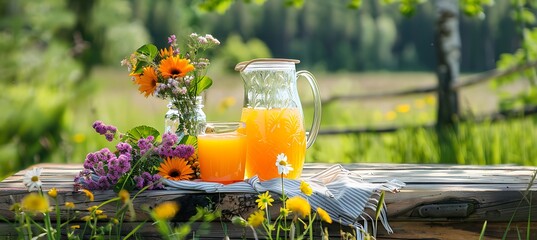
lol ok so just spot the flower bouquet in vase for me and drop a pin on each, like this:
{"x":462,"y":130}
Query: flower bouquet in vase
{"x":178,"y":75}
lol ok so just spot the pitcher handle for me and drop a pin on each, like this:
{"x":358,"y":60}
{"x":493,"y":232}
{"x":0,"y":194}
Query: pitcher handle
{"x":316,"y":107}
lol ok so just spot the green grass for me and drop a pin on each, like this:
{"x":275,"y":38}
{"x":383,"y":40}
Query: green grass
{"x":115,"y":100}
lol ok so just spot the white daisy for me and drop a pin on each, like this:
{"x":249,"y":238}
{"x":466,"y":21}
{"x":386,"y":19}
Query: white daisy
{"x":283,"y":166}
{"x":32,"y":179}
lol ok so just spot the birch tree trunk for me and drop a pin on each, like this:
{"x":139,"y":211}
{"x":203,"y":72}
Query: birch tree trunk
{"x":448,"y":50}
{"x":448,"y":47}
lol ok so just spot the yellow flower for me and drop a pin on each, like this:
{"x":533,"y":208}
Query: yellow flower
{"x":124,"y":196}
{"x":175,"y":169}
{"x":147,"y":82}
{"x":305,"y":188}
{"x":419,"y":103}
{"x":114,"y":221}
{"x":89,"y":194}
{"x":69,"y":205}
{"x":299,"y":205}
{"x":99,"y":211}
{"x":79,"y":138}
{"x":403,"y":108}
{"x":256,"y":218}
{"x":324,"y":215}
{"x":430,"y":99}
{"x":174,"y":67}
{"x":165,"y":211}
{"x":284,"y":212}
{"x":75,"y":227}
{"x":391,"y":115}
{"x":166,"y":52}
{"x":86,"y":218}
{"x":263,"y":200}
{"x":53,"y":193}
{"x":34,"y":203}
{"x":101,"y":216}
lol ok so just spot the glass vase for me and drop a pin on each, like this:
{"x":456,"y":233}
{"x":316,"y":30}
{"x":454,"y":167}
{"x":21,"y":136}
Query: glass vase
{"x":185,"y":117}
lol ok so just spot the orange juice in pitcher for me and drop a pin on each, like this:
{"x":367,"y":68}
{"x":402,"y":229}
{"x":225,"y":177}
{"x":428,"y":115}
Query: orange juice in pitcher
{"x":273,"y":115}
{"x":270,"y":132}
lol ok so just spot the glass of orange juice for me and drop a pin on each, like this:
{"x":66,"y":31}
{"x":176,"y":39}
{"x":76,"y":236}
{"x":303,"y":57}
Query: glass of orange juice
{"x":222,"y":152}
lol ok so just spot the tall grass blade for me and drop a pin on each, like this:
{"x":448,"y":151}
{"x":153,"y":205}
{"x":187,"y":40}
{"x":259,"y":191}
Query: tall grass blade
{"x":482,"y":235}
{"x":530,"y":184}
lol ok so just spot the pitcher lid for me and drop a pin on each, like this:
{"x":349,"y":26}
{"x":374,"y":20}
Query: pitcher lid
{"x":242,"y":65}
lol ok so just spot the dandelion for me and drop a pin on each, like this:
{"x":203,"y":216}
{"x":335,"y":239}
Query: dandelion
{"x":165,"y":211}
{"x":305,"y":188}
{"x":256,"y":218}
{"x":298,"y":205}
{"x":35,"y":203}
{"x":402,"y":108}
{"x":53,"y":193}
{"x":430,"y":99}
{"x":390,"y":116}
{"x":419,"y":103}
{"x":283,"y":166}
{"x":75,"y":227}
{"x":89,"y":194}
{"x":32,"y":179}
{"x":69,"y":205}
{"x":175,"y":169}
{"x":263,"y":200}
{"x":86,"y":218}
{"x":174,"y":67}
{"x":324,"y":215}
{"x":147,"y":81}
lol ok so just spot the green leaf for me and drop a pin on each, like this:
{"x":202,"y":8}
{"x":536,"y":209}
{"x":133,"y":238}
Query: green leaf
{"x":189,"y":140}
{"x":139,"y":68}
{"x":149,"y":50}
{"x":200,"y":85}
{"x":125,"y":182}
{"x":482,"y":235}
{"x":220,"y":6}
{"x":132,"y":136}
{"x":354,"y":4}
{"x":379,"y":206}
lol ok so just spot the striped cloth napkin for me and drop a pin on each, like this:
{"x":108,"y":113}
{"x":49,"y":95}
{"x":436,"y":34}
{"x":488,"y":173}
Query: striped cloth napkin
{"x":343,"y":194}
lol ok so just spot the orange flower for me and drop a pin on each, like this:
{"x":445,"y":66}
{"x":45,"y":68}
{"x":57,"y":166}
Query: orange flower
{"x":166,"y":52}
{"x":174,"y":66}
{"x":175,"y":169}
{"x":147,"y":81}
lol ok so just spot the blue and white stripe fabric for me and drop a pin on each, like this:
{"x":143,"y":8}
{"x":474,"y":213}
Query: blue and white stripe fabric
{"x":343,"y":194}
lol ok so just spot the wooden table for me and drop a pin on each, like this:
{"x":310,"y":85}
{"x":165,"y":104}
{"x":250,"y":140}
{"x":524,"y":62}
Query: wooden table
{"x":438,"y":202}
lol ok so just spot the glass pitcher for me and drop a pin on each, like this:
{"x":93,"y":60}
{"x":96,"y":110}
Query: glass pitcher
{"x":273,"y":115}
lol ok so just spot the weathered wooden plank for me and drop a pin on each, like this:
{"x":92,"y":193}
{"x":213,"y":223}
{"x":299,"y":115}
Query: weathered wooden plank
{"x":429,"y":207}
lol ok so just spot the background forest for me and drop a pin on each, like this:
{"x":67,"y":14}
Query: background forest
{"x":60,"y":64}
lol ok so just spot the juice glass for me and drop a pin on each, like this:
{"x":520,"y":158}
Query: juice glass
{"x":222,"y":152}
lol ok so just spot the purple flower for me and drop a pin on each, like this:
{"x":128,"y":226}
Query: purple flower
{"x":145,"y":144}
{"x":124,"y":148}
{"x":169,"y":139}
{"x":172,"y":39}
{"x":183,"y":151}
{"x":139,"y":182}
{"x":109,"y":136}
{"x":103,"y":183}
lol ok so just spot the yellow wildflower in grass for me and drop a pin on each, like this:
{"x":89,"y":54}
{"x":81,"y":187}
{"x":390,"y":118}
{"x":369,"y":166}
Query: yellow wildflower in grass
{"x":75,"y":227}
{"x":99,"y":211}
{"x":86,"y":218}
{"x":284,"y":212}
{"x":264,"y":200}
{"x":53,"y":193}
{"x":124,"y":196}
{"x":79,"y":138}
{"x":102,"y":216}
{"x":256,"y":218}
{"x":92,"y":208}
{"x":305,"y":188}
{"x":299,"y":205}
{"x":324,"y":215}
{"x":402,"y":108}
{"x":430,"y":99}
{"x":165,"y":211}
{"x":35,"y":203}
{"x":419,"y":103}
{"x":114,"y":221}
{"x":89,"y":194}
{"x":69,"y":205}
{"x":390,"y":116}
